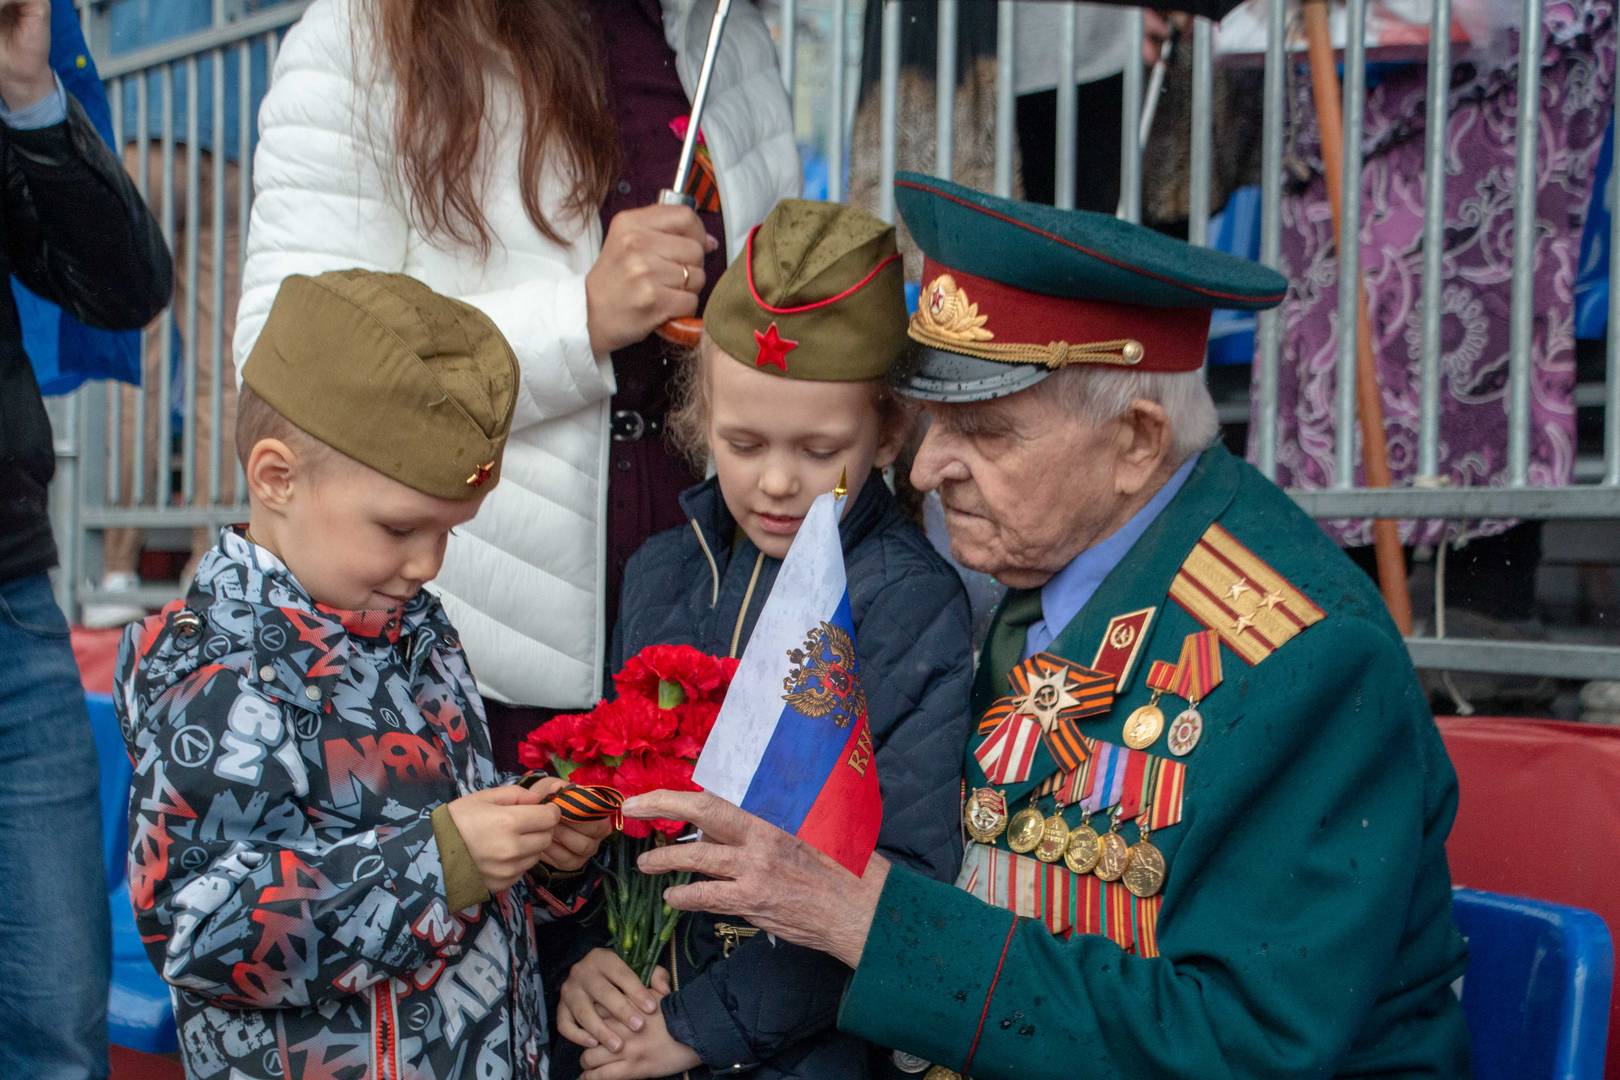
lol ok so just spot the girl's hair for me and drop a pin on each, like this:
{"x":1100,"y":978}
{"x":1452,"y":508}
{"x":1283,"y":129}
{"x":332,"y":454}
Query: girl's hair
{"x":687,"y":428}
{"x":439,"y":52}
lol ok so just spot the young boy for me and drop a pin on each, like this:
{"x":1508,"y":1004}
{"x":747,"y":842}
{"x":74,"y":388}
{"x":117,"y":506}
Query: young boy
{"x":786,"y":395}
{"x":323,"y":861}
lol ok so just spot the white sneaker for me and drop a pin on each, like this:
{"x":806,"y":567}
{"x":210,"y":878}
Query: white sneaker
{"x":107,"y":614}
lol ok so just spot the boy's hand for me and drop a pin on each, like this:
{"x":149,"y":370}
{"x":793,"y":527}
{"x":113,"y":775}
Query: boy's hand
{"x":505,"y":830}
{"x":602,"y":988}
{"x":650,"y":1052}
{"x":575,"y":843}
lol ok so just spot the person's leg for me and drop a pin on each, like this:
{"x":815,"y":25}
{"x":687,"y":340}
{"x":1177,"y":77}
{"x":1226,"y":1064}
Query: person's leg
{"x":121,"y":548}
{"x":1096,"y":150}
{"x":54,"y":947}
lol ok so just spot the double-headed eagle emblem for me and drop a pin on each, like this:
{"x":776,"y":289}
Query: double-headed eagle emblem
{"x":825,"y":679}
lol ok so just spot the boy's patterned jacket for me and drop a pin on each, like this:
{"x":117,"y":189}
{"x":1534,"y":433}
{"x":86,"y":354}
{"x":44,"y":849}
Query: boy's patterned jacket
{"x":283,"y":866}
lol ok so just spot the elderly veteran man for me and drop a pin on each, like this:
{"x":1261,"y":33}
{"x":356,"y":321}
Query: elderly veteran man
{"x":1206,"y":805}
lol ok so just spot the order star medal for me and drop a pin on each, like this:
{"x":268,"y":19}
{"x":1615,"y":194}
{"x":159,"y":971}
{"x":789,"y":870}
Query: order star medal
{"x":985,"y":815}
{"x":1197,"y":673}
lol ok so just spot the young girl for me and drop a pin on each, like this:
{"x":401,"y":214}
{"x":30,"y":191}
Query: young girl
{"x":785,"y":394}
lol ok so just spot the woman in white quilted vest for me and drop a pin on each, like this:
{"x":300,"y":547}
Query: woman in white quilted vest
{"x":510,"y":155}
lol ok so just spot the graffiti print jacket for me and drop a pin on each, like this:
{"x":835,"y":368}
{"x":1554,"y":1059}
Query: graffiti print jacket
{"x":283,"y":867}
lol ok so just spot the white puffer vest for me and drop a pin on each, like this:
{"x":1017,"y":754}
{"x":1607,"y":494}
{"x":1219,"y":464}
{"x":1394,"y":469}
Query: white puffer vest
{"x":523,"y":582}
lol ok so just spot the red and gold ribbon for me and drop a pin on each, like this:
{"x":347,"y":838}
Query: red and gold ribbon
{"x":1199,"y":669}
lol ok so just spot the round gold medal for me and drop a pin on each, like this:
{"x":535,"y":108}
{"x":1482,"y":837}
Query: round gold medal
{"x":1054,"y":838}
{"x":985,"y":815}
{"x":1111,"y":855}
{"x":1144,"y":869}
{"x":1026,"y":830}
{"x":940,"y":1072}
{"x":1143,"y":727}
{"x":1080,"y":854}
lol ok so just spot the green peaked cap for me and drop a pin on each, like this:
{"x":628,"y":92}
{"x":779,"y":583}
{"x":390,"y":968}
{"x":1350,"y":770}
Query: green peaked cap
{"x":381,"y":368}
{"x":817,"y":293}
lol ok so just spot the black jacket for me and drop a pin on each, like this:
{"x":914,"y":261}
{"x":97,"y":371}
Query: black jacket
{"x":74,"y":230}
{"x":772,"y":1007}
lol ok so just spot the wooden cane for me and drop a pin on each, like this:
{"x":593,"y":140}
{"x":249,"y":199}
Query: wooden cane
{"x":1369,"y":402}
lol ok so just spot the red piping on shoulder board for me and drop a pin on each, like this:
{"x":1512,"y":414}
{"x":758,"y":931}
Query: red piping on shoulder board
{"x":1099,"y":256}
{"x":984,"y":1013}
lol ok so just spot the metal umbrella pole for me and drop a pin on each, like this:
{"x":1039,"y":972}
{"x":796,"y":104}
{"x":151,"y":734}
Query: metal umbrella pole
{"x":687,"y":331}
{"x":1369,"y":400}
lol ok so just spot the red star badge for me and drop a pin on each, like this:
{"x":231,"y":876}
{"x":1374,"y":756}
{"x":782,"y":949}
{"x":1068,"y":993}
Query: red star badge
{"x":481,"y":475}
{"x":773,"y":348}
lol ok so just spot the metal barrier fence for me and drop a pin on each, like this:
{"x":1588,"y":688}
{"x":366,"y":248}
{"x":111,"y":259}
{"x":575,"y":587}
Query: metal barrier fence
{"x":118,"y":486}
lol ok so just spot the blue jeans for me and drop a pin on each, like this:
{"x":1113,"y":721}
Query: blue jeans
{"x":54,"y":935}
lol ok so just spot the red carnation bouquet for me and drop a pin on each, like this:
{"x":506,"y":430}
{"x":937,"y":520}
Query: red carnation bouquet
{"x":646,"y":739}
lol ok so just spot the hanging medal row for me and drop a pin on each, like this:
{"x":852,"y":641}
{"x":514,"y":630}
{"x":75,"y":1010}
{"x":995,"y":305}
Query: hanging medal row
{"x":1064,"y":902}
{"x":1127,"y":784}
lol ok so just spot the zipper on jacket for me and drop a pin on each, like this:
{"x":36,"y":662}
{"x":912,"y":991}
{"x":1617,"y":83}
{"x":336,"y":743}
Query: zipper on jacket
{"x":384,"y":1032}
{"x":731,"y":935}
{"x":675,"y":977}
{"x":747,"y":601}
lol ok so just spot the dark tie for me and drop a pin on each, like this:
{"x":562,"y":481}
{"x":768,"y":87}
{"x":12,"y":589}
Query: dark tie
{"x":1004,"y":648}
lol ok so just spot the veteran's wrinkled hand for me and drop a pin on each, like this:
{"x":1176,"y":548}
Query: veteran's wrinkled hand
{"x":755,"y":870}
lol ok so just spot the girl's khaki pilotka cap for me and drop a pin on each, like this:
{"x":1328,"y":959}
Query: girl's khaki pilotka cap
{"x":380,"y":367}
{"x":817,"y":293}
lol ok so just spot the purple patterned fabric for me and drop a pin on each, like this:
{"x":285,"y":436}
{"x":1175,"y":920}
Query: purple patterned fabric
{"x":1578,"y":65}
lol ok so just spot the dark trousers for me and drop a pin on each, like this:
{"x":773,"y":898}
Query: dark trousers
{"x":1097,"y":150}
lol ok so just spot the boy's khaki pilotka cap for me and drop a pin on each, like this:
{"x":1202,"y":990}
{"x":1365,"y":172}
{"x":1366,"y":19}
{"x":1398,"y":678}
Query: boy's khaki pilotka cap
{"x":816,"y":294}
{"x":380,"y":367}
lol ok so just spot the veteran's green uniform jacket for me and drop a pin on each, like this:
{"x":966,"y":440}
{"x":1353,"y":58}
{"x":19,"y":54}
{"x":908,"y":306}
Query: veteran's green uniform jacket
{"x":1304,"y":927}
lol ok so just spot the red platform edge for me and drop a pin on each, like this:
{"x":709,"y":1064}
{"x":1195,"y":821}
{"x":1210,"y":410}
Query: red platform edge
{"x":1539,"y":816}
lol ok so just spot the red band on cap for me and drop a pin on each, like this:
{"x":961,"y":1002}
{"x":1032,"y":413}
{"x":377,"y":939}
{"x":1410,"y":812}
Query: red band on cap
{"x":748,"y":257}
{"x":1172,"y":339}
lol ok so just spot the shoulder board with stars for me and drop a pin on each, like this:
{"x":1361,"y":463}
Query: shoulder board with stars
{"x":1231,"y":590}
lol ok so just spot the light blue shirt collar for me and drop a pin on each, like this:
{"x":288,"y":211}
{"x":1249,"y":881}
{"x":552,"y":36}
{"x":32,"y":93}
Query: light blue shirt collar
{"x":1071,"y":588}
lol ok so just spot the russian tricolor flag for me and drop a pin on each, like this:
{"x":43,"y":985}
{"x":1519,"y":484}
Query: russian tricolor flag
{"x":791,"y":743}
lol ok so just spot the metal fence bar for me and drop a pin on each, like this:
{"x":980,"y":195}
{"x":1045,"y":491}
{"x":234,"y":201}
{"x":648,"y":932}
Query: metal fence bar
{"x":137,"y":483}
{"x":1434,"y":214}
{"x":889,"y":106}
{"x":1063,"y":174}
{"x":840,"y":118}
{"x":1586,"y":501}
{"x":217,"y":343}
{"x":1203,"y":132}
{"x":1355,"y":96}
{"x":189,"y":402}
{"x":1006,"y":88}
{"x":165,"y":414}
{"x":945,"y":91}
{"x":790,"y":40}
{"x":1515,"y":658}
{"x":264,"y":23}
{"x":1611,"y":404}
{"x":1268,"y":328}
{"x":1522,"y":324}
{"x":112,"y":486}
{"x":244,"y":203}
{"x":1130,"y":157}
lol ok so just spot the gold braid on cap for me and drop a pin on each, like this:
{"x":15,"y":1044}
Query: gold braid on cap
{"x":946,"y":319}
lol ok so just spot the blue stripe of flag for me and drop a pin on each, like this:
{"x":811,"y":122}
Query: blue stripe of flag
{"x":800,"y":756}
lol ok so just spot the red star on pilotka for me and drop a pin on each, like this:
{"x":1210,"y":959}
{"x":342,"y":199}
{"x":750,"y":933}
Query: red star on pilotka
{"x":773,"y":348}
